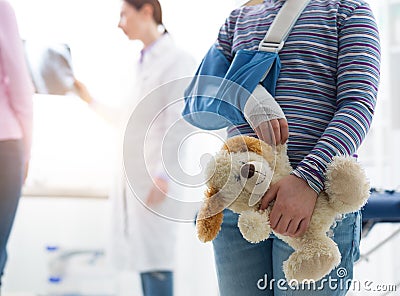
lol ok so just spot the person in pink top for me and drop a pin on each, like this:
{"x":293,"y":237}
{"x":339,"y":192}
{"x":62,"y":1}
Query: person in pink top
{"x":16,"y":92}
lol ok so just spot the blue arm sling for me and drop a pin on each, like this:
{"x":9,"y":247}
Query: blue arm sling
{"x":220,"y":89}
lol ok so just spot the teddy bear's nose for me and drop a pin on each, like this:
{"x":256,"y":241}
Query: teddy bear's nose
{"x":247,"y":170}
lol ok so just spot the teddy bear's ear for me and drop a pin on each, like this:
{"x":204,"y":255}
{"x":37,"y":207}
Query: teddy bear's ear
{"x":210,"y":216}
{"x":250,"y":144}
{"x":241,"y":144}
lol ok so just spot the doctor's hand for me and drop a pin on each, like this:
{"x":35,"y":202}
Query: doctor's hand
{"x":82,"y":91}
{"x":273,"y":132}
{"x":293,"y":207}
{"x":158,"y":192}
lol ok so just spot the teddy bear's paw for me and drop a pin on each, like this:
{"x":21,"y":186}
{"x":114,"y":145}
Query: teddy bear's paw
{"x":254,"y":225}
{"x":346,"y":184}
{"x":310,"y":265}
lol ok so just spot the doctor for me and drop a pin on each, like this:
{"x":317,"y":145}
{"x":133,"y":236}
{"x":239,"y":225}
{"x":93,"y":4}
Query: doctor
{"x":143,"y":241}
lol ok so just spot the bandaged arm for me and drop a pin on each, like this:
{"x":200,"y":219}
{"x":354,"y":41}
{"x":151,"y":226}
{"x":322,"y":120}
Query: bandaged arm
{"x":261,"y":107}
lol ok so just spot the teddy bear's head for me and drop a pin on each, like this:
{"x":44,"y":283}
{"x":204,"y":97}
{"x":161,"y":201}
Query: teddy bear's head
{"x":242,"y":171}
{"x":237,"y":178}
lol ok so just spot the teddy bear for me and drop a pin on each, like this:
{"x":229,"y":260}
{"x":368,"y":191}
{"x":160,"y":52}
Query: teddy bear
{"x":237,"y":178}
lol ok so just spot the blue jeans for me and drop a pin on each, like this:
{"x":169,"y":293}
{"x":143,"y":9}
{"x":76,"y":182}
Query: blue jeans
{"x":157,"y":283}
{"x":246,"y":269}
{"x":11,"y":178}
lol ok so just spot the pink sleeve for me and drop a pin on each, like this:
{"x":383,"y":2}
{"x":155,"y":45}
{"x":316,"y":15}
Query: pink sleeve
{"x":19,"y":84}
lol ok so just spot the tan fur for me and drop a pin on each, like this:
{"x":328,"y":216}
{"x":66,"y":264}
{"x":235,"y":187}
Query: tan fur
{"x":249,"y":144}
{"x":208,"y":224}
{"x":347,"y":190}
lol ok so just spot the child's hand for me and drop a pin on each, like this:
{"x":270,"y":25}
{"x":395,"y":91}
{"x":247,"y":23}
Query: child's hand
{"x":266,"y":117}
{"x":273,"y":132}
{"x":293,"y":207}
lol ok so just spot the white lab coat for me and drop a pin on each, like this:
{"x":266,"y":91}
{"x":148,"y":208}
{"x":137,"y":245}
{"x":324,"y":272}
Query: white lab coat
{"x":141,"y":240}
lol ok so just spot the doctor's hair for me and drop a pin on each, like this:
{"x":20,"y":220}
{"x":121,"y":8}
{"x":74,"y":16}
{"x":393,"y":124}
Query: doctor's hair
{"x":157,"y":12}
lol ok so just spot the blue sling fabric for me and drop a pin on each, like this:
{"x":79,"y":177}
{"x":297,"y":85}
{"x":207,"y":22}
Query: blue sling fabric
{"x":219,"y":91}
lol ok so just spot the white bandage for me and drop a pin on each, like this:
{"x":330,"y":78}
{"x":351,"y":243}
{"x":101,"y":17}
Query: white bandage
{"x":261,"y":107}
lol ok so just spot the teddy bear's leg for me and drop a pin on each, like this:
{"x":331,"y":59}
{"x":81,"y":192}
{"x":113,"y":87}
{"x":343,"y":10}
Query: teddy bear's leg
{"x":314,"y":260}
{"x":254,"y":225}
{"x":346,"y":184}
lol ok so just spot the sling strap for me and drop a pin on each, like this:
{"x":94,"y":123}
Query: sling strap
{"x":282,"y":25}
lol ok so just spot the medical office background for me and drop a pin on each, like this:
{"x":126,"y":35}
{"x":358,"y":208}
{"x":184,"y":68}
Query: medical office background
{"x":65,"y":198}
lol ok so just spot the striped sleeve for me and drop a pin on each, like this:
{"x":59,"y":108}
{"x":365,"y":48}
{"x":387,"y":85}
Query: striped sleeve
{"x":225,"y":36}
{"x":357,"y":84}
